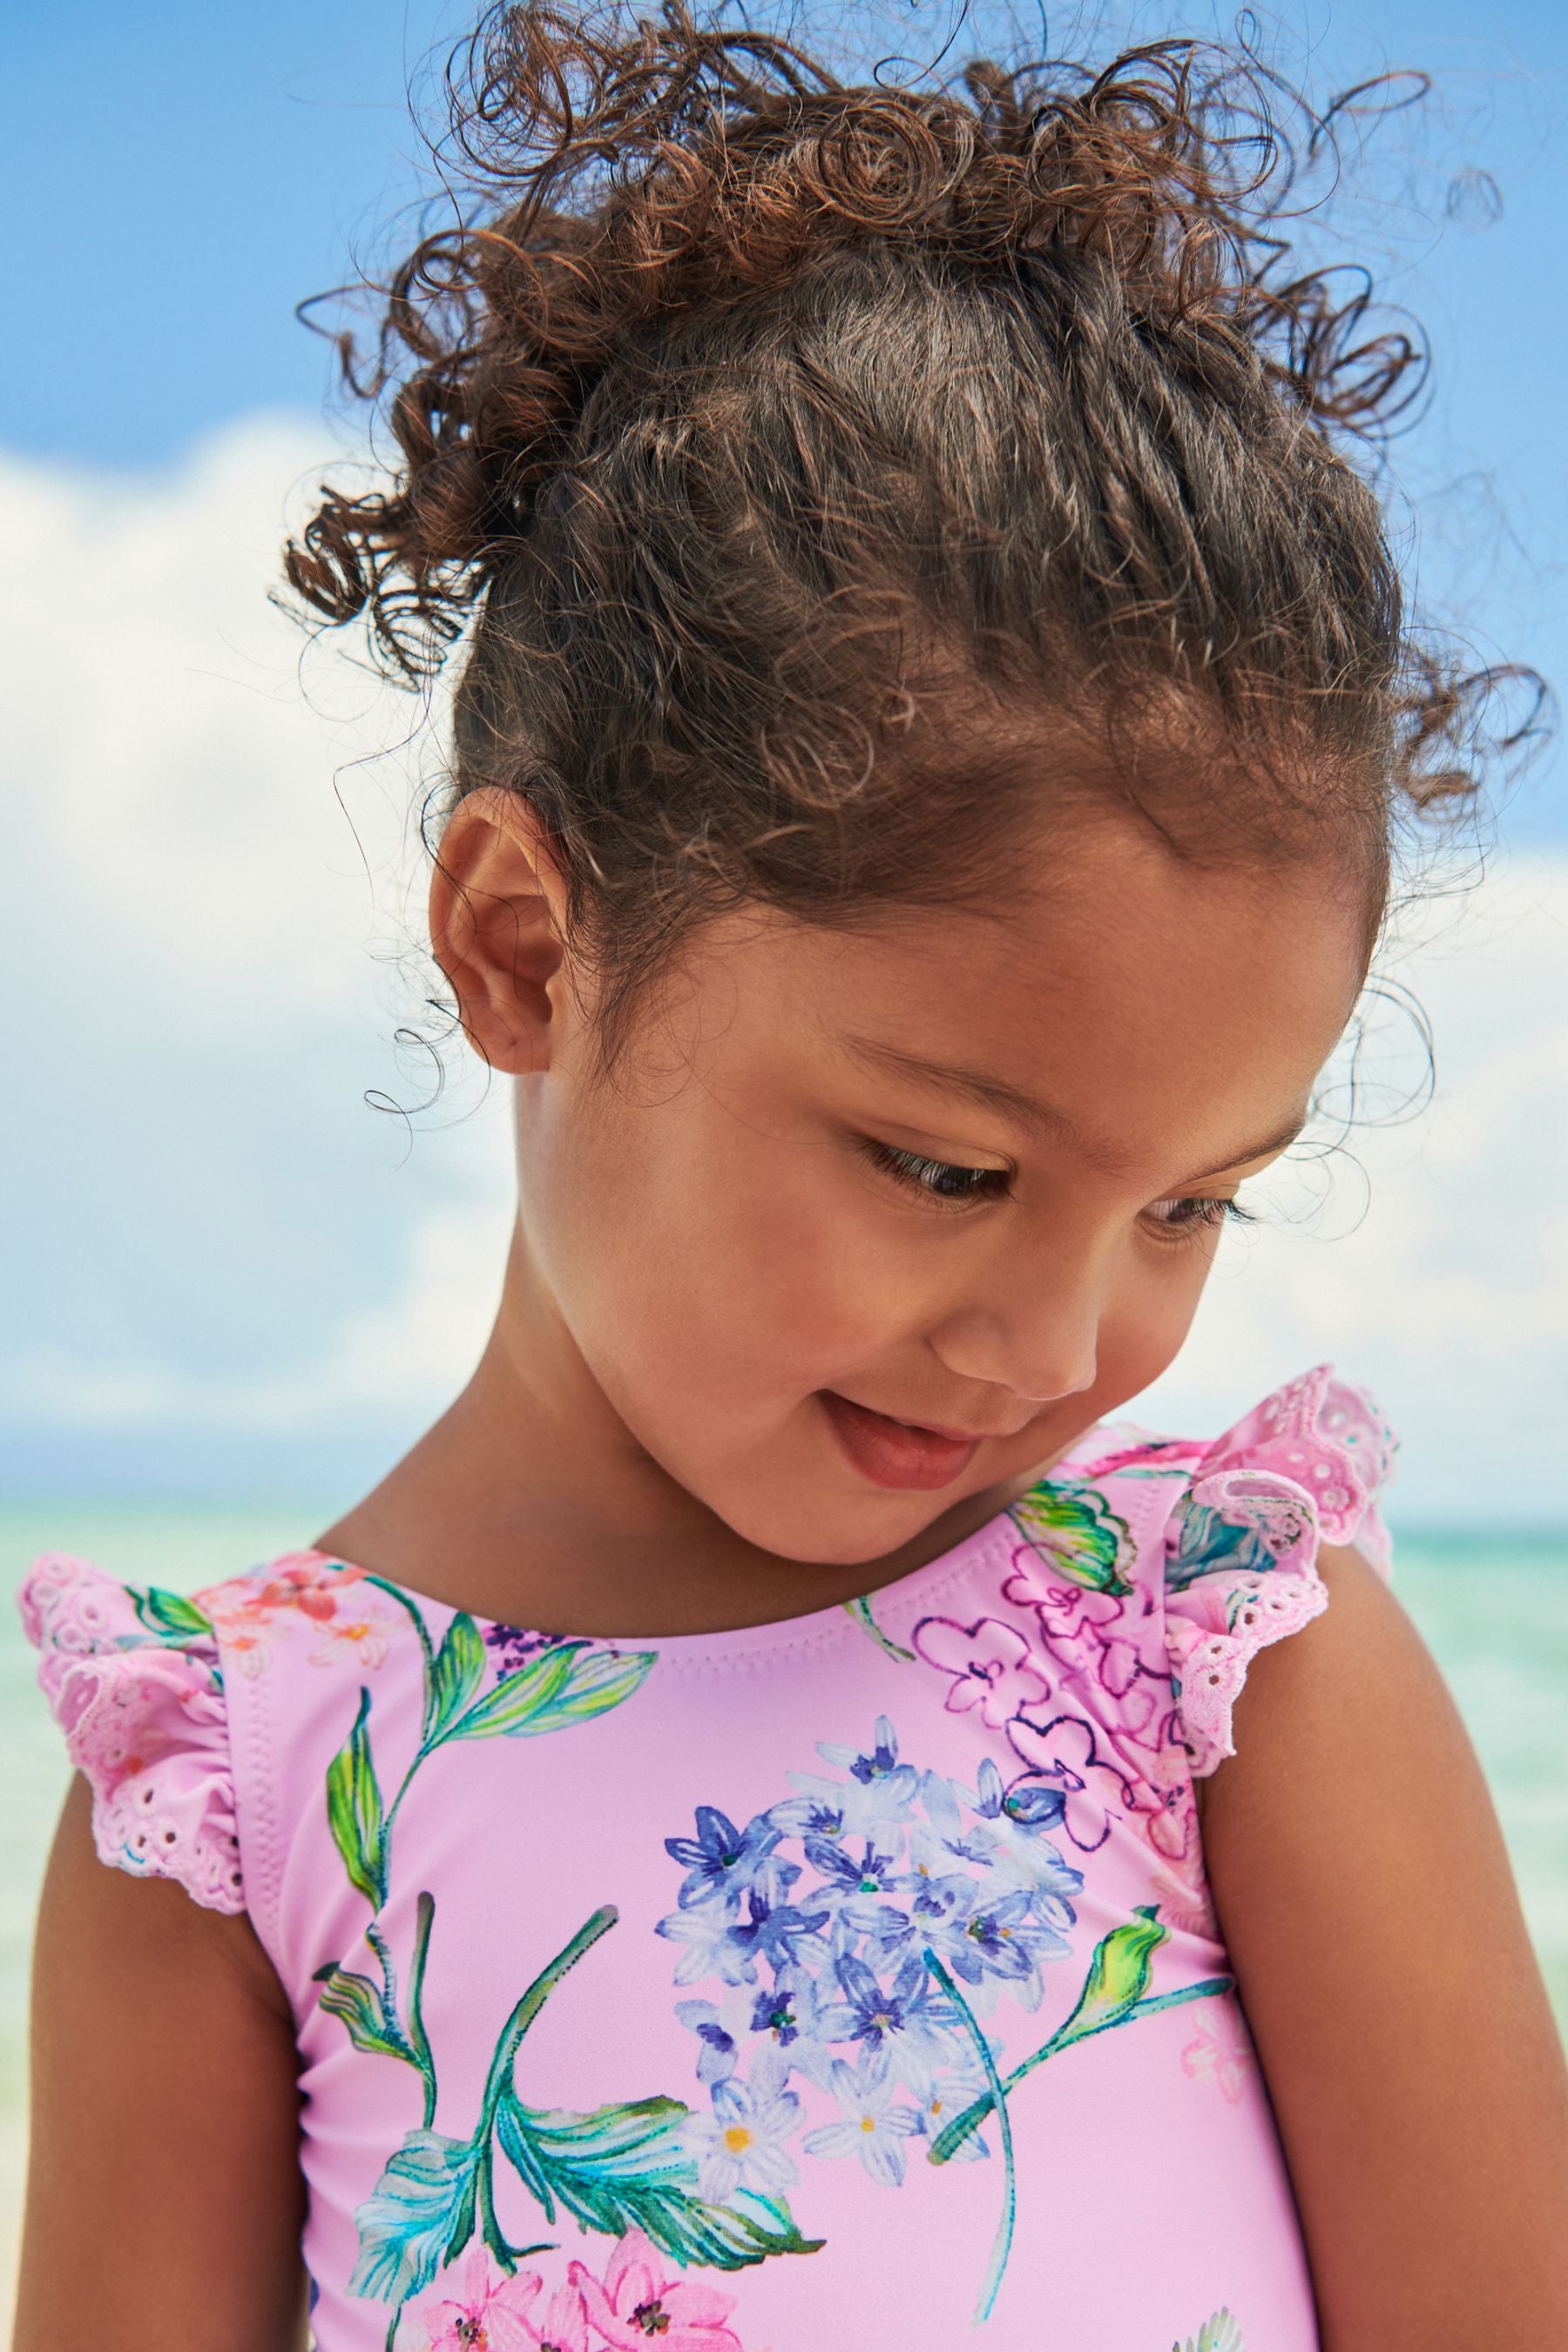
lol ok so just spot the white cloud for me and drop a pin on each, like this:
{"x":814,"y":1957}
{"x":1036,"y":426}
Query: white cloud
{"x":1449,"y":1293}
{"x":203,"y":901}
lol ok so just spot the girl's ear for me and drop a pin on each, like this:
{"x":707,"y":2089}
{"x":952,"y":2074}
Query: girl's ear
{"x":497,"y":906}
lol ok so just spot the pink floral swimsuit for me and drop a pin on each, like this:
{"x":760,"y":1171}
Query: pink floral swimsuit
{"x":847,"y":1984}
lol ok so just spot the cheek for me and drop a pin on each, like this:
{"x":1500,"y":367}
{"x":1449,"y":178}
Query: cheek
{"x":693,"y":1255}
{"x":1148,"y":1316}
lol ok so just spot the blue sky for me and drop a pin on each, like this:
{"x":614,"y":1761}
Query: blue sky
{"x":222,"y":1272}
{"x":190,"y":172}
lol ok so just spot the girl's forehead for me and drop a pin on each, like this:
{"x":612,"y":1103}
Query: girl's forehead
{"x":1121,"y":1002}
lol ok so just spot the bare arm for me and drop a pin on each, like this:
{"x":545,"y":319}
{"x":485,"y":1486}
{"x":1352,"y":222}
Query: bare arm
{"x":1400,"y":2017}
{"x":164,"y":2200}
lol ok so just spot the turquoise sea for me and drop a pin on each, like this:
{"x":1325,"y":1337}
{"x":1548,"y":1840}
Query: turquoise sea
{"x":1494,"y":1610}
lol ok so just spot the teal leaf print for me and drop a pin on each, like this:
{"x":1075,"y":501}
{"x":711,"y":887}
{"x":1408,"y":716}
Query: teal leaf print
{"x":1219,"y":2334}
{"x":354,"y":1810}
{"x":418,"y":2217}
{"x":627,"y":2168}
{"x":1076,"y":1529}
{"x":363,"y":2009}
{"x":570,"y":1683}
{"x":453,"y":1676}
{"x":169,"y":1614}
{"x":1206,"y":1541}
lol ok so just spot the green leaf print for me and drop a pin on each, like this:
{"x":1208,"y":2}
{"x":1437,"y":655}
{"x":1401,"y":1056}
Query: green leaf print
{"x":453,"y":1676}
{"x":1077,"y":1530}
{"x":359,"y":2004}
{"x":1219,"y":2334}
{"x":860,"y":1610}
{"x":418,"y":2217}
{"x":354,"y":1810}
{"x":169,"y":1614}
{"x":569,"y":1683}
{"x":627,"y":2167}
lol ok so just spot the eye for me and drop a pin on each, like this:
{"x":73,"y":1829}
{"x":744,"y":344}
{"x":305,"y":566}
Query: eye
{"x":1197,"y":1212}
{"x":939,"y":1180}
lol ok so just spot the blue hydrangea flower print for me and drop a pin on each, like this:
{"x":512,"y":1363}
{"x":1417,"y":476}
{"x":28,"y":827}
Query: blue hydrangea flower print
{"x":854,"y":1940}
{"x":811,"y":1927}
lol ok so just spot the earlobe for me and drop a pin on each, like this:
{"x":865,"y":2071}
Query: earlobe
{"x":497,"y":904}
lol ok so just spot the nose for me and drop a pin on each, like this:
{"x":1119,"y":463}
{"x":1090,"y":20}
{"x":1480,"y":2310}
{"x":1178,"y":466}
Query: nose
{"x":1037,"y":1337}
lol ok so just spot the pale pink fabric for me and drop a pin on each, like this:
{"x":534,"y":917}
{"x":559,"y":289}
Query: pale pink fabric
{"x":790,"y":1900}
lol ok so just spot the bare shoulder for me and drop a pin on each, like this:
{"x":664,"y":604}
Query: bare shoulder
{"x":1405,"y":2033}
{"x":164,"y":2200}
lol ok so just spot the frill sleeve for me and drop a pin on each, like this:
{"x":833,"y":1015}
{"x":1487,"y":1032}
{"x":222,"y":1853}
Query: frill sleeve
{"x":132,"y":1678}
{"x":1241,"y":1547}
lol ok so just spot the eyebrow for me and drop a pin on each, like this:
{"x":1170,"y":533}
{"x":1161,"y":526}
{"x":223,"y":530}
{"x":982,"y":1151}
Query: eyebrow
{"x":1028,"y":1110}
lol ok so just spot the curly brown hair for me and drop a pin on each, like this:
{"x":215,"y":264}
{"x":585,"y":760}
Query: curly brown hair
{"x":823,"y":472}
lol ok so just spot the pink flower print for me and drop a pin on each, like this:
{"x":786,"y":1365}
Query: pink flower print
{"x":1184,"y":1900}
{"x":1066,"y":1609}
{"x":489,"y":2314}
{"x":991,"y":1664}
{"x":306,"y":1580}
{"x":1063,"y":1753}
{"x":637,"y":2303}
{"x":1220,"y":2053}
{"x":363,"y":1635}
{"x":1075,"y":1622}
{"x":243,"y":1645}
{"x":563,"y":2325}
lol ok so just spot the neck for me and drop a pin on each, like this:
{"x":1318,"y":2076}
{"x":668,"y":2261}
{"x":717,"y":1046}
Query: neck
{"x":531,"y":1501}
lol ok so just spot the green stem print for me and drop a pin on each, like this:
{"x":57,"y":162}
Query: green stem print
{"x":1003,"y":2241}
{"x":618,"y":2168}
{"x":1115,"y":1991}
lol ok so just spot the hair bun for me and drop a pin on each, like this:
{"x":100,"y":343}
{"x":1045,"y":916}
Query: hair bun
{"x":614,"y":175}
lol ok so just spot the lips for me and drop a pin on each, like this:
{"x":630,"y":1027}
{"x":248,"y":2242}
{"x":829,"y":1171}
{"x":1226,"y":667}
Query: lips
{"x":898,"y":1453}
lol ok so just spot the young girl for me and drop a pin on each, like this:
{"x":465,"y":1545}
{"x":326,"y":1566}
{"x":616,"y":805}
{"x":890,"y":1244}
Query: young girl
{"x":781,"y":1824}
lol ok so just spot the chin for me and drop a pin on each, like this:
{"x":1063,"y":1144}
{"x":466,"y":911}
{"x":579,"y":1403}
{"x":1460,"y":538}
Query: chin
{"x":844,"y":1537}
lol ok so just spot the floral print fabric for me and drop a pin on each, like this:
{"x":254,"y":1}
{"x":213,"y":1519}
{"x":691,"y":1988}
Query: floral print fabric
{"x":853,"y":1979}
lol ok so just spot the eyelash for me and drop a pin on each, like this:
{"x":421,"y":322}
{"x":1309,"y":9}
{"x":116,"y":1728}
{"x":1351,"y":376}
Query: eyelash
{"x":953,"y":1186}
{"x":1207,"y":1211}
{"x":938,"y":1179}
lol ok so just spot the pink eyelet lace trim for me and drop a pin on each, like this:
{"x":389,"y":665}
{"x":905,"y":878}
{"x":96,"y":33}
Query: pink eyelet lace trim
{"x":145,"y":1720}
{"x":1305,"y":1467}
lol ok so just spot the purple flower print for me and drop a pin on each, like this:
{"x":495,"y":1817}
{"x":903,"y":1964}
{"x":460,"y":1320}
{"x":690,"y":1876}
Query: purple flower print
{"x":875,"y":2124}
{"x":908,"y":2019}
{"x":790,"y":2013}
{"x":723,"y":1862}
{"x":852,"y":1890}
{"x":731,"y":1949}
{"x":1062,"y":1755}
{"x":1025,"y":1855}
{"x":838,"y":1973}
{"x":742,"y":2144}
{"x":994,"y":1941}
{"x":515,"y":1644}
{"x":879,"y":1790}
{"x":944,"y":1841}
{"x":716,"y":2056}
{"x":990,"y":1666}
